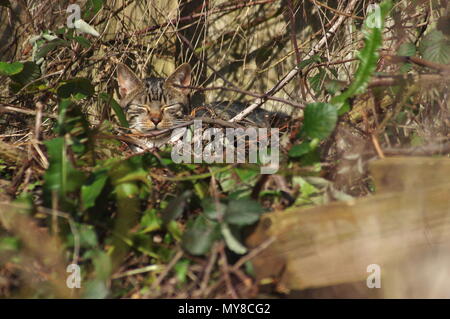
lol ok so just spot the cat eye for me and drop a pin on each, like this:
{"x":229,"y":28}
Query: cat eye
{"x":141,"y":107}
{"x":172,"y":108}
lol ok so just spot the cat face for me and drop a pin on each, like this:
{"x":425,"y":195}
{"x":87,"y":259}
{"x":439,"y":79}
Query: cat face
{"x":154,"y":103}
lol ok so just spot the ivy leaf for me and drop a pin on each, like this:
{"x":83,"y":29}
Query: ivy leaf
{"x":29,"y":73}
{"x":213,"y":210}
{"x":320,"y":120}
{"x":435,"y":47}
{"x":10,"y":68}
{"x":200,"y":236}
{"x":243,"y":212}
{"x":46,"y":48}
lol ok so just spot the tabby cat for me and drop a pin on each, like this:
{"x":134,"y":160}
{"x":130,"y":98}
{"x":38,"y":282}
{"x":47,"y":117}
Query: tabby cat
{"x":156,"y":104}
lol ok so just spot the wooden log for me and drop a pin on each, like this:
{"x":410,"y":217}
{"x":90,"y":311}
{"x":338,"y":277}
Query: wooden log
{"x":334,"y":244}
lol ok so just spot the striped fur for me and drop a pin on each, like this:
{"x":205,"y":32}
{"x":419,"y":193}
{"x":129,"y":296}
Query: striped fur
{"x":154,"y":103}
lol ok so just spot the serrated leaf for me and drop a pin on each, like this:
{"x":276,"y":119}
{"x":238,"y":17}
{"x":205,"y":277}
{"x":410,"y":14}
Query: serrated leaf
{"x":231,"y":241}
{"x":79,"y":88}
{"x":319,"y":120}
{"x":368,"y":56}
{"x":407,"y":49}
{"x":243,"y":212}
{"x":200,"y":236}
{"x":10,"y":68}
{"x":435,"y":47}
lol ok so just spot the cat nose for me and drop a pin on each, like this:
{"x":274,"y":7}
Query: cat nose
{"x":155,"y":120}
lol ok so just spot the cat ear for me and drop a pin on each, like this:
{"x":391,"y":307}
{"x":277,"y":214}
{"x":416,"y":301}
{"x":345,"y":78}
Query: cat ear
{"x":127,"y":80}
{"x":182,"y":77}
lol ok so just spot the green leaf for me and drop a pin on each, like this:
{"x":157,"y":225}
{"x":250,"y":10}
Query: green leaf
{"x":181,"y":268}
{"x":130,"y":170}
{"x":247,"y":175}
{"x":102,"y":265}
{"x":231,"y":241}
{"x":435,"y":47}
{"x":243,"y":212}
{"x":306,"y":188}
{"x":407,"y":49}
{"x":79,"y":88}
{"x":9,"y":243}
{"x":299,"y":150}
{"x":176,"y":207}
{"x":95,"y":289}
{"x":88,"y":236}
{"x":368,"y":56}
{"x":150,"y":221}
{"x":313,"y":59}
{"x":29,"y":73}
{"x":85,"y":43}
{"x":10,"y":68}
{"x":200,"y":236}
{"x":109,"y":100}
{"x":93,"y":188}
{"x":46,"y":48}
{"x":317,"y":80}
{"x":91,"y":8}
{"x":320,"y":120}
{"x":61,"y":176}
{"x":212,"y":210}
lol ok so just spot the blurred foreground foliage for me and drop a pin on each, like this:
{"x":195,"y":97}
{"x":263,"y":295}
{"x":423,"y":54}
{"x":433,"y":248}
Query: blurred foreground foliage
{"x":134,"y":222}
